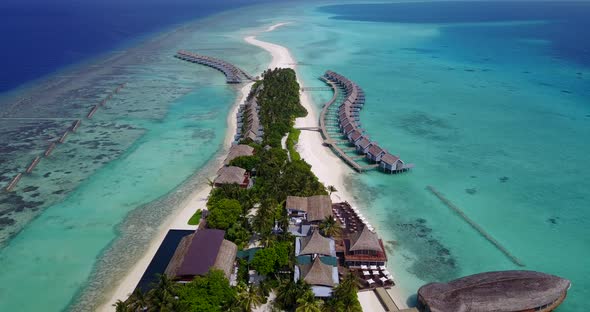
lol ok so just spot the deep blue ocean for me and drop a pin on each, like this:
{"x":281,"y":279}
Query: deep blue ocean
{"x":565,"y":24}
{"x":40,"y":37}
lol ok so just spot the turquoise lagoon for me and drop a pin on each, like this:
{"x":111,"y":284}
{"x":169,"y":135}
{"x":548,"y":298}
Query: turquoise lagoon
{"x":495,"y":116}
{"x":497,"y":123}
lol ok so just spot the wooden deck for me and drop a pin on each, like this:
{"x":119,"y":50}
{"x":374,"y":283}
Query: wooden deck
{"x":386,"y":300}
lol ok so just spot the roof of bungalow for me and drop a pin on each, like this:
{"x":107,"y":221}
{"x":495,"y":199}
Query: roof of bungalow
{"x":376,"y":150}
{"x":348,"y":128}
{"x":355,"y":135}
{"x":317,"y":273}
{"x":364,"y":143}
{"x":200,"y":251}
{"x":365,"y":240}
{"x":317,"y":207}
{"x":389,"y":159}
{"x":230,"y":175}
{"x":239,"y":150}
{"x":495,"y":291}
{"x":315,"y":244}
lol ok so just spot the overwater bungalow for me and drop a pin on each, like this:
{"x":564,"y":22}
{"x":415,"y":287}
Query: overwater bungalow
{"x":232,"y":175}
{"x":495,"y":291}
{"x":315,"y":244}
{"x":363,"y":145}
{"x":363,"y":248}
{"x":197,"y":253}
{"x":355,"y":136}
{"x":375,"y":153}
{"x":348,"y":129}
{"x":236,"y":151}
{"x":391,"y":163}
{"x":322,"y":277}
{"x":311,"y":209}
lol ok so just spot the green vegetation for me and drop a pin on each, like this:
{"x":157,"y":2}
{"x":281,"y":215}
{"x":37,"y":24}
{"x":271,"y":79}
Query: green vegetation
{"x":279,"y":104}
{"x":196,"y":218}
{"x":329,"y":227}
{"x":224,"y":213}
{"x":272,"y":259}
{"x":292,"y":139}
{"x":207,"y":293}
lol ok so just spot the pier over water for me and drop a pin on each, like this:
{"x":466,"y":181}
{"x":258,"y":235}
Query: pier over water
{"x":232,"y":73}
{"x":342,"y":126}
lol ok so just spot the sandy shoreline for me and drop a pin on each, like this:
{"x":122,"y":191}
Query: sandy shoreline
{"x":329,"y":169}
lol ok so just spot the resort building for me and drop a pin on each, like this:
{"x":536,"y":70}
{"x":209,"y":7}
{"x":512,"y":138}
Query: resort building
{"x":375,"y":153}
{"x":315,"y":245}
{"x":355,"y":136}
{"x":197,"y":253}
{"x":363,"y":248}
{"x":308,"y":209}
{"x":236,"y":151}
{"x":232,"y":175}
{"x":363,"y":145}
{"x":322,"y":277}
{"x":495,"y":291}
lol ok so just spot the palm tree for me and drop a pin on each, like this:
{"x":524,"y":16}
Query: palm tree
{"x":331,"y":189}
{"x":162,"y":297}
{"x":138,"y":300}
{"x":329,"y":227}
{"x":248,"y":297}
{"x":288,"y":292}
{"x":308,"y":303}
{"x":122,"y":306}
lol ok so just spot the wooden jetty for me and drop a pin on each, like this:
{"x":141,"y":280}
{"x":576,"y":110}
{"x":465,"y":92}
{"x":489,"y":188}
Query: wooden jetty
{"x":14,"y":182}
{"x":50,"y":149}
{"x":33,"y":164}
{"x":64,"y":136}
{"x":233,"y":74}
{"x":475,"y":226}
{"x":346,"y":123}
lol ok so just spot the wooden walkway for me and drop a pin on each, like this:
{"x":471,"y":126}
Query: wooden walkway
{"x":233,"y":74}
{"x":328,"y":139}
{"x":386,"y":300}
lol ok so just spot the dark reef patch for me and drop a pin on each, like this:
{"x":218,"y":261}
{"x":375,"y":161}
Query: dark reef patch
{"x":503,"y":179}
{"x":30,"y":188}
{"x":6,"y":221}
{"x":471,"y":191}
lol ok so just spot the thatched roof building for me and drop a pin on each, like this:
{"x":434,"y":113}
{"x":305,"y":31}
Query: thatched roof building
{"x":496,"y":291}
{"x":313,"y":208}
{"x":231,"y":175}
{"x":317,"y":273}
{"x":236,"y":151}
{"x":200,"y":251}
{"x":365,"y":240}
{"x":315,"y":244}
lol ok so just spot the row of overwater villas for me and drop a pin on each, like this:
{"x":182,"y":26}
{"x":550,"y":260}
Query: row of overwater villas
{"x":231,"y":72}
{"x":349,"y":124}
{"x":249,"y":113}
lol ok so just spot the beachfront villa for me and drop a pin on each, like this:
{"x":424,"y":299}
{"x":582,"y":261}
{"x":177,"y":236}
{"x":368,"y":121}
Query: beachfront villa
{"x":363,"y":248}
{"x":322,"y":277}
{"x":197,"y":253}
{"x":238,"y":150}
{"x":311,"y":209}
{"x":521,"y":291}
{"x":248,"y":121}
{"x":232,"y":175}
